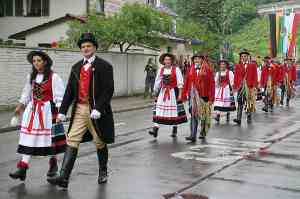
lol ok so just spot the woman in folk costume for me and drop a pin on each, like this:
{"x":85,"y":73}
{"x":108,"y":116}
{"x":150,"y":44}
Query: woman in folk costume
{"x":290,"y":77}
{"x":168,"y":109}
{"x":199,"y":87}
{"x":42,"y":96}
{"x":245,"y":81}
{"x":268,"y":81}
{"x":224,"y":99}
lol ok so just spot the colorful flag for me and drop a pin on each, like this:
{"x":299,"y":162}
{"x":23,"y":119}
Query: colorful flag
{"x":293,"y":36}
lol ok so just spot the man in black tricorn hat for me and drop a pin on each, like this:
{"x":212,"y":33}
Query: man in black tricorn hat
{"x":90,"y":89}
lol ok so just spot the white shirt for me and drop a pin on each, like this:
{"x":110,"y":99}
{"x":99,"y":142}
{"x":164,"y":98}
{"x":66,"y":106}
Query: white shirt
{"x":90,"y":61}
{"x":197,"y":66}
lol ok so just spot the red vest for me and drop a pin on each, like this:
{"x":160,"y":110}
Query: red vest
{"x":241,"y":73}
{"x":84,"y":85}
{"x":273,"y":71}
{"x":203,"y":81}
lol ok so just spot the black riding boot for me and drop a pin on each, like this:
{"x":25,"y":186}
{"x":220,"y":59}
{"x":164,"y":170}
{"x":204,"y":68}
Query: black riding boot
{"x":69,"y":159}
{"x":21,"y":171}
{"x":53,"y":168}
{"x":102,"y":155}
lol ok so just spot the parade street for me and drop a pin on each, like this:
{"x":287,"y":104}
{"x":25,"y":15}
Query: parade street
{"x":258,"y":160}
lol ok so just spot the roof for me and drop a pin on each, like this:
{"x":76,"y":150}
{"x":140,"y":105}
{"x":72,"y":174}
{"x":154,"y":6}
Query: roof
{"x":67,"y":17}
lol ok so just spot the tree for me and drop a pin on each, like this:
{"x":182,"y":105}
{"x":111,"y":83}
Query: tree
{"x":209,"y":40}
{"x":135,"y":24}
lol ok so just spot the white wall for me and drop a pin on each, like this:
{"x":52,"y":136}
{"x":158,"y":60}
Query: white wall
{"x":12,"y":25}
{"x":54,"y":33}
{"x":129,"y":73}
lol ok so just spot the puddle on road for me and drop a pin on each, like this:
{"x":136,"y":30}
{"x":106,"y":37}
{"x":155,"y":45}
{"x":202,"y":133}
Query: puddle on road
{"x":220,"y":150}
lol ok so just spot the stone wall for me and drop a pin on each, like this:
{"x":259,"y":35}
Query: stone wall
{"x":129,"y":73}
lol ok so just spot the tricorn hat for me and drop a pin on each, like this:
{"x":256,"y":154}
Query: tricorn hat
{"x":162,"y":57}
{"x":87,"y":37}
{"x":40,"y":53}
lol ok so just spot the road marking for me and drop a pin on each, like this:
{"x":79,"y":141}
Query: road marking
{"x":220,"y":150}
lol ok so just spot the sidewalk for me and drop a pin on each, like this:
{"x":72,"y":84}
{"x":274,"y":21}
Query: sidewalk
{"x":119,"y":104}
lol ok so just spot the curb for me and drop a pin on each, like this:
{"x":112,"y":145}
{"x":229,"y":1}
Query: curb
{"x":14,"y":128}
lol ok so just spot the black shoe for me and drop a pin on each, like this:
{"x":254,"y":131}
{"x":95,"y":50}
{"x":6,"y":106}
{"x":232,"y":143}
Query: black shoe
{"x":202,"y":135}
{"x":191,"y":139}
{"x":249,"y":118}
{"x":21,"y":171}
{"x":102,"y":155}
{"x":103,"y":176}
{"x":237,"y":121}
{"x":69,"y":159}
{"x":53,"y":168}
{"x":154,"y":132}
{"x":265,"y":109}
{"x":174,"y":132}
{"x":217,"y":118}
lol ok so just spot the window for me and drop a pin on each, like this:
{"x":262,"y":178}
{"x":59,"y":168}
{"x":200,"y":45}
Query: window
{"x":44,"y":45}
{"x":9,"y":8}
{"x":37,"y":8}
{"x":155,"y":3}
{"x":100,"y":6}
{"x":6,"y":8}
{"x":45,"y":8}
{"x":18,"y":7}
{"x":2,"y":6}
{"x":151,"y":2}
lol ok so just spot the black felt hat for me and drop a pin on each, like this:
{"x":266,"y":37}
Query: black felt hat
{"x":198,"y":55}
{"x":40,"y":53}
{"x":87,"y":37}
{"x":244,"y":51}
{"x":162,"y":57}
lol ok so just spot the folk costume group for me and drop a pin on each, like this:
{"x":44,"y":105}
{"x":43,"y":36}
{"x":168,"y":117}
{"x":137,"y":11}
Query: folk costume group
{"x":224,"y":91}
{"x":45,"y":101}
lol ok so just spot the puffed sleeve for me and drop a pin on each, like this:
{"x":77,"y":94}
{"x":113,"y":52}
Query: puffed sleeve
{"x":179,"y":78}
{"x":26,"y":92}
{"x":58,"y":88}
{"x":231,"y":78}
{"x":157,"y":81}
{"x":216,"y":79}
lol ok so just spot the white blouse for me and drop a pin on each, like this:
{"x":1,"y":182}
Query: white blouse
{"x":58,"y":89}
{"x":158,"y":78}
{"x":223,"y":73}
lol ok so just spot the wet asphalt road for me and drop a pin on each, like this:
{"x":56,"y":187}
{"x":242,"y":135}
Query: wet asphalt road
{"x":258,"y":160}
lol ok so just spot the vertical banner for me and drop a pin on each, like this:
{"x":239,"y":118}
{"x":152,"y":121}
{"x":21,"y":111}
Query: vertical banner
{"x":272,"y":18}
{"x":293,"y":36}
{"x":288,"y":21}
{"x":281,"y":34}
